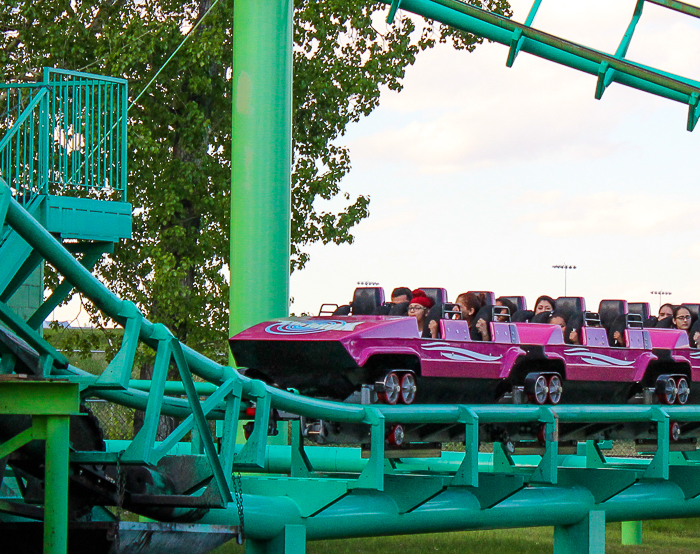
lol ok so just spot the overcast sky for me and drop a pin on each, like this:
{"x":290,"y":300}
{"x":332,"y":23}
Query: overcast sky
{"x":483,"y":177}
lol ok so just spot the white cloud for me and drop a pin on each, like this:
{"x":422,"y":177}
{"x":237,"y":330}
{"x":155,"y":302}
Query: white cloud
{"x":605,"y":213}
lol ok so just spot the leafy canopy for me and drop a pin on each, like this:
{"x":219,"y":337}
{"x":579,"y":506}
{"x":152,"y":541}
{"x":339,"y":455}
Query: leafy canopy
{"x":179,"y":137}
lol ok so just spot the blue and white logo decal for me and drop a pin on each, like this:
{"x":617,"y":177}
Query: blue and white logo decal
{"x":310,"y":327}
{"x":450,"y":352}
{"x":593,"y":358}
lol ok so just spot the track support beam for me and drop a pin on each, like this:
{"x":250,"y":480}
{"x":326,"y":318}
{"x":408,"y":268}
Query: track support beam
{"x":585,"y":537}
{"x":292,"y":540}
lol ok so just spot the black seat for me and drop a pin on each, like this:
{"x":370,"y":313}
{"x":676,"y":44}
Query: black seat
{"x":366,"y":300}
{"x":569,"y":305}
{"x":519,"y":301}
{"x":610,"y":310}
{"x":693,"y":309}
{"x":665,"y":323}
{"x":343,"y":310}
{"x":542,"y":317}
{"x":522,"y":316}
{"x":488,"y":297}
{"x":640,"y":308}
{"x":438,"y":296}
{"x":399,"y":309}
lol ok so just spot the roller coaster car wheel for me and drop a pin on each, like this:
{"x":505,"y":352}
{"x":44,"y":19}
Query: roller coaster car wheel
{"x":537,"y":388}
{"x":408,"y":388}
{"x":542,"y":434}
{"x":555,"y":389}
{"x":392,"y":388}
{"x":674,"y":431}
{"x":683,"y":390}
{"x":666,"y":389}
{"x":396,"y":435}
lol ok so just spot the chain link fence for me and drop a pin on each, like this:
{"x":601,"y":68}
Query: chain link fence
{"x":116,"y":421}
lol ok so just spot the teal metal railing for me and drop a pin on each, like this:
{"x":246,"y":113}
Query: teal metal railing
{"x":65,"y":135}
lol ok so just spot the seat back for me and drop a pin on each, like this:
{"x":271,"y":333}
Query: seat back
{"x":610,"y":310}
{"x":569,"y":305}
{"x":504,"y":333}
{"x":639,"y":308}
{"x":668,"y":338}
{"x":438,"y":296}
{"x":693,"y":308}
{"x":637,"y":338}
{"x":537,"y":333}
{"x":519,"y":301}
{"x":489,"y":296}
{"x":454,"y":329}
{"x":366,"y":300}
{"x":594,"y":336}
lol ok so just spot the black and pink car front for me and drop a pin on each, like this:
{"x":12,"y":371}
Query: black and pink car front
{"x":382,"y":358}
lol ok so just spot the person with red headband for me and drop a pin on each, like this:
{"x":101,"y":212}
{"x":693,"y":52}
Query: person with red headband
{"x":418,"y":308}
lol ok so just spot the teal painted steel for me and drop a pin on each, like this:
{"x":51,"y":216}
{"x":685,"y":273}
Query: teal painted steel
{"x":64,"y":135}
{"x":261,"y":161}
{"x":69,"y":132}
{"x":480,"y":491}
{"x":613,"y":68}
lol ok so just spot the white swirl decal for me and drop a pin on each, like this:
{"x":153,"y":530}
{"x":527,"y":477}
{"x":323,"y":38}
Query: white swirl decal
{"x":593,"y":358}
{"x":310,"y":327}
{"x":459,"y":354}
{"x":695,"y":355}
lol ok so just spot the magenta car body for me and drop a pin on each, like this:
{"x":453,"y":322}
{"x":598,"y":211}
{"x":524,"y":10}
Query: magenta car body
{"x":333,"y":357}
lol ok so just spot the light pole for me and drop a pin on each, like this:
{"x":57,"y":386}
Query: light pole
{"x":660,"y":293}
{"x":566,"y":268}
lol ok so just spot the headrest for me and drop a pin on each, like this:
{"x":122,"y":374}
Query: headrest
{"x":568,"y":305}
{"x":693,"y":309}
{"x":487,"y":297}
{"x":541,"y":317}
{"x":665,"y":323}
{"x":609,"y":310}
{"x":366,"y":300}
{"x":519,"y":301}
{"x":438,"y":296}
{"x":522,"y":315}
{"x":399,"y":309}
{"x":639,"y":308}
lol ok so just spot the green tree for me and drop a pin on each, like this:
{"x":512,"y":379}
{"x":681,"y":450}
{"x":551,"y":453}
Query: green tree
{"x":179,"y":135}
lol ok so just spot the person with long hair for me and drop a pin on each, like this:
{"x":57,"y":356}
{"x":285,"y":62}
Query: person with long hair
{"x":544,"y":304}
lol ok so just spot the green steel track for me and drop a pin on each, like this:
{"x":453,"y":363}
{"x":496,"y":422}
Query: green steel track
{"x":290,"y":493}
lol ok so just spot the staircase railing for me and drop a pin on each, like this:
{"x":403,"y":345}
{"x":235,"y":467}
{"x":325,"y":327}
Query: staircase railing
{"x":65,"y":135}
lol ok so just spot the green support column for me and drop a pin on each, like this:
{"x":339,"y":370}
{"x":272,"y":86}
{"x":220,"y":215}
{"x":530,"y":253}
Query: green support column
{"x":261,"y":161}
{"x":50,"y":403}
{"x":585,"y":537}
{"x":631,"y":533}
{"x":56,"y":491}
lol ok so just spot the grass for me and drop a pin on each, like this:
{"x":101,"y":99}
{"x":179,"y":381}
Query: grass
{"x":678,"y":536}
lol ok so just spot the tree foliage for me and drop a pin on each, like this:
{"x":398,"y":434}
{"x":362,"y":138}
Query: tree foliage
{"x":179,"y":135}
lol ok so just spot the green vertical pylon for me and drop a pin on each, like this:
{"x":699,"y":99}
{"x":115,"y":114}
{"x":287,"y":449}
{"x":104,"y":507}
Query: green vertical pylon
{"x":261,"y":161}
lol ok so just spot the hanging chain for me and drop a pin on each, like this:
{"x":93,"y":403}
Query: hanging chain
{"x":121,"y":490}
{"x":238,"y":492}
